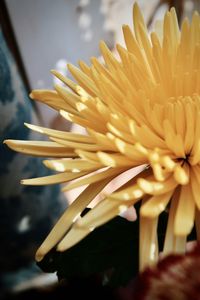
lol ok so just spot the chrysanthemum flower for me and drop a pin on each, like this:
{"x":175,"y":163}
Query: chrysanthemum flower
{"x":140,"y":110}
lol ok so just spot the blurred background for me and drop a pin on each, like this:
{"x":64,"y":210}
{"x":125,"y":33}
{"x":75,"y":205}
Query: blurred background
{"x":37,"y":36}
{"x":49,"y":34}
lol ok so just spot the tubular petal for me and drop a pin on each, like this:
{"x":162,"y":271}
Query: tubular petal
{"x":62,"y":134}
{"x":51,"y":98}
{"x":181,"y":174}
{"x":85,"y":82}
{"x":157,"y":188}
{"x":52,"y":179}
{"x":148,"y":241}
{"x":100,"y":214}
{"x":184,"y":217}
{"x":69,"y":97}
{"x":155,"y":205}
{"x":114,"y":160}
{"x":68,"y":217}
{"x":65,"y":80}
{"x":63,"y":165}
{"x":94,"y":178}
{"x":79,"y":145}
{"x":170,"y":238}
{"x":40,"y":148}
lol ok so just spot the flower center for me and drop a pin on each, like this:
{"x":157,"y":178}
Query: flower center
{"x":184,"y":160}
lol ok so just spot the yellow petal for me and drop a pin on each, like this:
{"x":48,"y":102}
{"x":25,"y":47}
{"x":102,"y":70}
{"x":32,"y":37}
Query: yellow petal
{"x":109,"y":58}
{"x":85,"y":81}
{"x":69,"y":216}
{"x":131,"y":43}
{"x":174,"y":243}
{"x":114,"y":160}
{"x":87,"y":155}
{"x":157,"y":188}
{"x":190,"y":127}
{"x":75,"y":235}
{"x":184,"y":218}
{"x":75,"y":119}
{"x":148,"y":241}
{"x":94,"y":178}
{"x":102,"y":139}
{"x":69,"y":97}
{"x":51,"y":98}
{"x":155,"y":205}
{"x":173,"y":141}
{"x":130,"y":151}
{"x":40,"y":148}
{"x":61,"y":134}
{"x":77,"y":145}
{"x":102,"y":213}
{"x":52,"y":179}
{"x":82,"y":122}
{"x":84,"y":67}
{"x":131,"y":190}
{"x":63,"y":165}
{"x":181,"y":174}
{"x":65,"y":80}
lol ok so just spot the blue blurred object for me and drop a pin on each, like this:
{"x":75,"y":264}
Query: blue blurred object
{"x":26,"y":213}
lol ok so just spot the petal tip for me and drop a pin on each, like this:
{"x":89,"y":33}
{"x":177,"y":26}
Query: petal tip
{"x":6,"y":142}
{"x":23,"y":181}
{"x":31,"y":95}
{"x":39,"y":256}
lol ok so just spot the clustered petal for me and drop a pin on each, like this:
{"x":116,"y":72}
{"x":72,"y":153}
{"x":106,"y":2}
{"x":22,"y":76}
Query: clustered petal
{"x":141,"y":109}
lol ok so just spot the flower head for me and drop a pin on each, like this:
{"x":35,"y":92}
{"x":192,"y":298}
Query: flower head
{"x":140,"y":110}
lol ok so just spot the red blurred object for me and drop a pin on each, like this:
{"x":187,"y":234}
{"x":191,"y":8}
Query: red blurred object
{"x":175,"y":277}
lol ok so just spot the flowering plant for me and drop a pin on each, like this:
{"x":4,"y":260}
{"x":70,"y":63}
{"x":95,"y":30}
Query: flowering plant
{"x":139,"y":111}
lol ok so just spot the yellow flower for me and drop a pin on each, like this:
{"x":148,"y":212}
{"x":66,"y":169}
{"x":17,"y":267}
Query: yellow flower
{"x":140,"y":110}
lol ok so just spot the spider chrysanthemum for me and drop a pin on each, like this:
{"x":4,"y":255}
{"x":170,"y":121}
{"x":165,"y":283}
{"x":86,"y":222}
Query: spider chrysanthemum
{"x":141,"y":109}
